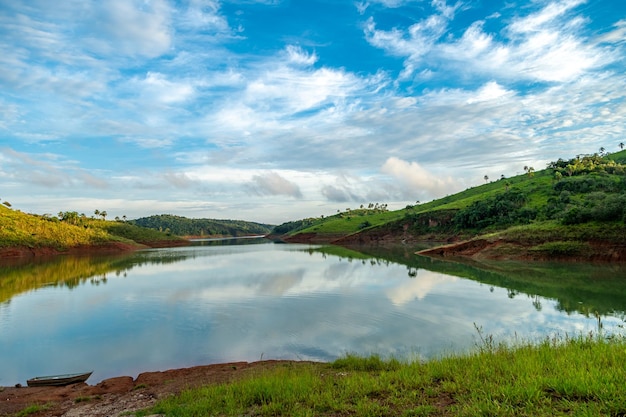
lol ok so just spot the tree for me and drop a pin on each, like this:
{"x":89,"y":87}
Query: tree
{"x":486,"y":177}
{"x":96,"y":212}
{"x":531,"y":171}
{"x":621,"y":145}
{"x":558,"y":176}
{"x":103,"y":213}
{"x":602,"y":150}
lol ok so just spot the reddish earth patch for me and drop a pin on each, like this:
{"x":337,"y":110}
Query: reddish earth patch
{"x":510,"y":250}
{"x":104,"y":248}
{"x":116,"y":396}
{"x":26,"y":252}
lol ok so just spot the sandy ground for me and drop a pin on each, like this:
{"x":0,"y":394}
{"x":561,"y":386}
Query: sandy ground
{"x":115,"y":396}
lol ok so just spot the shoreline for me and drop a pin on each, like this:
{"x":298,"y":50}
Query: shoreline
{"x":24,"y":252}
{"x":124,"y":394}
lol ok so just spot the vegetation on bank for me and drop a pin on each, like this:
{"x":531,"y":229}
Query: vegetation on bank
{"x":70,"y":230}
{"x":577,"y":376}
{"x":182,"y":226}
{"x":587,"y":192}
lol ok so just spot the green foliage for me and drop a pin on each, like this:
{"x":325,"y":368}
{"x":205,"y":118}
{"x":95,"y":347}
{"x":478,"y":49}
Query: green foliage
{"x":33,"y":409}
{"x":343,"y":223}
{"x":182,"y":226}
{"x":561,"y":248}
{"x":293,"y":226}
{"x":21,"y":229}
{"x":573,"y":376}
{"x":588,"y":183}
{"x":71,"y":230}
{"x":562,"y":192}
{"x":136,"y":233}
{"x":597,"y":206}
{"x":586,"y":164}
{"x":501,"y":210}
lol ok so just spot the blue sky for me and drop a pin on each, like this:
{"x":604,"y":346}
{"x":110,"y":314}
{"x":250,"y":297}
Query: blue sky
{"x":274,"y":110}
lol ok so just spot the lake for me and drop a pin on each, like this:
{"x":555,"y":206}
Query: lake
{"x":252,"y":299}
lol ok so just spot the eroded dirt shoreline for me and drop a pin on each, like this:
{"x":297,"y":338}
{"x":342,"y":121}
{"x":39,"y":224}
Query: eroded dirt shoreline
{"x":115,"y":396}
{"x":24,"y":252}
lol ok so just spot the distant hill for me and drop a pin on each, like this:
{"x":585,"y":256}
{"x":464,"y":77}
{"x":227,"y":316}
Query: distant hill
{"x":566,"y":207}
{"x":183,"y":226}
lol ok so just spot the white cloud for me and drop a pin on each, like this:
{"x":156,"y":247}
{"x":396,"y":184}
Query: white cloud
{"x":417,"y":288}
{"x":157,"y":87}
{"x":131,"y":27}
{"x":537,"y":22}
{"x":204,"y":15}
{"x":545,"y":45}
{"x":271,"y":183}
{"x":490,"y":91}
{"x":617,"y":35}
{"x":416,"y":179}
{"x":298,"y":56}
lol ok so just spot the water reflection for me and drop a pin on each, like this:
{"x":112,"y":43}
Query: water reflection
{"x":166,"y":308}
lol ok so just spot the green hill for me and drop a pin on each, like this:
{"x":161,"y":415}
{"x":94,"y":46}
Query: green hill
{"x":183,"y":226}
{"x":562,"y":207}
{"x":71,"y":230}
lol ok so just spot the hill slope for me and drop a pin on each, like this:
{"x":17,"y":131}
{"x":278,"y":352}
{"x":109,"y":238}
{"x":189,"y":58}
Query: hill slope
{"x":183,"y":226}
{"x":23,"y":234}
{"x":574,"y":208}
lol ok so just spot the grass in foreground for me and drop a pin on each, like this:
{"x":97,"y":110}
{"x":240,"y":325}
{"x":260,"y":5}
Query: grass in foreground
{"x":575,"y":377}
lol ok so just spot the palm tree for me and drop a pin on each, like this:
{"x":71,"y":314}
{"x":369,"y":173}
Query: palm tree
{"x":486,"y":177}
{"x":621,"y":145}
{"x":602,"y":150}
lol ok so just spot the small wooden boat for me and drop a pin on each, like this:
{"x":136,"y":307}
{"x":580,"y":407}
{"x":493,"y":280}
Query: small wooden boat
{"x":58,"y":380}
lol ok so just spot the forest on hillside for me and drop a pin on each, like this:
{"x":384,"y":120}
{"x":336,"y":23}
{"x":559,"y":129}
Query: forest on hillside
{"x":183,"y":226}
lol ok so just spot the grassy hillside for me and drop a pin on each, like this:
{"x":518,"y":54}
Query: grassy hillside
{"x":183,"y":226}
{"x":588,"y":192}
{"x":19,"y":229}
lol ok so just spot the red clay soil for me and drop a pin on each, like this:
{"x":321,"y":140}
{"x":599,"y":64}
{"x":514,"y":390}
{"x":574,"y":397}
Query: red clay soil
{"x":105,"y":248}
{"x":116,"y":396}
{"x":510,"y":250}
{"x":26,"y":252}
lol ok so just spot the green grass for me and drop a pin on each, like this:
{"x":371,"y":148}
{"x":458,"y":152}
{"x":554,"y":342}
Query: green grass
{"x":568,"y":200}
{"x":554,"y":231}
{"x":20,"y":229}
{"x":27,"y":230}
{"x":582,"y":376}
{"x":32,"y":409}
{"x":348,"y":223}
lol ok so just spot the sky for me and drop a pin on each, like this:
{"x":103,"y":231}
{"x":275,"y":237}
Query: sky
{"x":277,"y":110}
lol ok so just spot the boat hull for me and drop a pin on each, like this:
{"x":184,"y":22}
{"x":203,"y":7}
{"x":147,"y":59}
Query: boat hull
{"x":58,"y":380}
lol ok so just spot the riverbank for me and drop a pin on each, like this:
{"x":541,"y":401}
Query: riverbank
{"x":508,"y":250}
{"x":20,"y":252}
{"x":116,"y":396}
{"x":576,"y":376}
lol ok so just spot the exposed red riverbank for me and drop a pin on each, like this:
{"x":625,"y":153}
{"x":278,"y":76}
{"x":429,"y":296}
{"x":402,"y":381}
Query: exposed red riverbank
{"x":125,"y":394}
{"x":104,"y":248}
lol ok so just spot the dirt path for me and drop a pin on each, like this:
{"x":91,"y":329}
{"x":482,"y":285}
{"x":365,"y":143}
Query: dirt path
{"x":115,"y":396}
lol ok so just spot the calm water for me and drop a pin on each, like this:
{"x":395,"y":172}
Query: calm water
{"x":253,"y":299}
